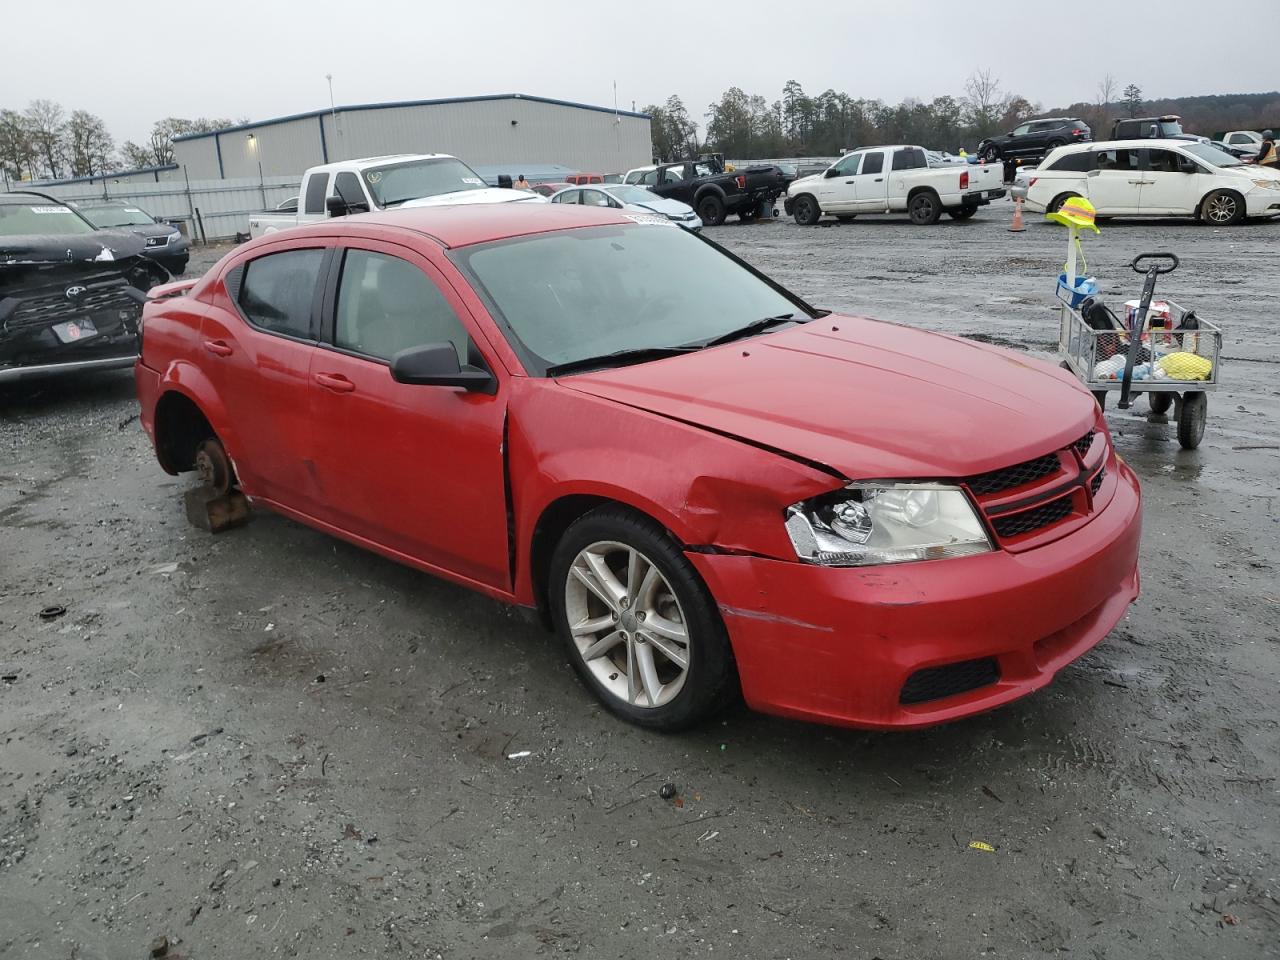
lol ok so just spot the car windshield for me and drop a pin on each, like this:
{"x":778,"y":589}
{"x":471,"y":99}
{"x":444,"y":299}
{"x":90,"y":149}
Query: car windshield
{"x":570,"y":295}
{"x":41,"y":219}
{"x":415,"y":179}
{"x":630,"y":194}
{"x":1211,"y":155}
{"x":117,"y":216}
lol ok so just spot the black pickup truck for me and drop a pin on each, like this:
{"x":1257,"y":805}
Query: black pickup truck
{"x":715,"y":194}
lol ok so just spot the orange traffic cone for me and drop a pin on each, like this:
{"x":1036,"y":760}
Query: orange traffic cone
{"x":1016,"y":226}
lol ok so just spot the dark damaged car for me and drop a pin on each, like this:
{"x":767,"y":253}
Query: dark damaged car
{"x":70,"y":294}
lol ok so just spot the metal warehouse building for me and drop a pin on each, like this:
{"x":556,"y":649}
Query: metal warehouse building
{"x":504,"y":129}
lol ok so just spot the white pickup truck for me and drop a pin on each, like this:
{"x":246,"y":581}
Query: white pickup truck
{"x":377,"y":183}
{"x":894,"y":179}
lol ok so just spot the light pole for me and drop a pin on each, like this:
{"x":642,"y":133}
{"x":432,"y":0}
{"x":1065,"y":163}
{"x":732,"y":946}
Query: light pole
{"x":333,"y":110}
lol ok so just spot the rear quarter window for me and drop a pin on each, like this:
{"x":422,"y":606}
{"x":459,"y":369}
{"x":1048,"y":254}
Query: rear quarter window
{"x":1072,"y":162}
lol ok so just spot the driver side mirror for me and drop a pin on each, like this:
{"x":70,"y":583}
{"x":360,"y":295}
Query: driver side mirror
{"x":1187,"y":165}
{"x":436,"y":365}
{"x":831,"y":172}
{"x":339,"y":206}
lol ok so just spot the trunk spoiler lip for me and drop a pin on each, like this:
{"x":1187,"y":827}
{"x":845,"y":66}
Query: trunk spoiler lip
{"x":163,"y":291}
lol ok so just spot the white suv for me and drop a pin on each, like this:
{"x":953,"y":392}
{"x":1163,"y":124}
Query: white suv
{"x":1156,"y":178}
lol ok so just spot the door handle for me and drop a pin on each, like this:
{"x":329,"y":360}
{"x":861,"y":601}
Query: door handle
{"x":219,"y":348}
{"x":335,"y":382}
{"x":879,"y":179}
{"x":849,"y":181}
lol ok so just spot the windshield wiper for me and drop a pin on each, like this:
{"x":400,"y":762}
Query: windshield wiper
{"x":755,"y":326}
{"x":617,"y":359}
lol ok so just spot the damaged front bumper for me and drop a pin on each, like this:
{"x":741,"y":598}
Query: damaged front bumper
{"x":86,"y":323}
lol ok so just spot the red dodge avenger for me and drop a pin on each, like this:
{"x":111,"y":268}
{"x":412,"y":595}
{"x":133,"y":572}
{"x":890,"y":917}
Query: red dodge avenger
{"x":706,"y":485}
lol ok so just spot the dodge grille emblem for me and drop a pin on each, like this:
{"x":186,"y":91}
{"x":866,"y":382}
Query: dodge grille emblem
{"x":75,"y":292}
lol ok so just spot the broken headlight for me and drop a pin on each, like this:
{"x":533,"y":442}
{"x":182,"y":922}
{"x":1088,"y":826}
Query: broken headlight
{"x":866,"y":524}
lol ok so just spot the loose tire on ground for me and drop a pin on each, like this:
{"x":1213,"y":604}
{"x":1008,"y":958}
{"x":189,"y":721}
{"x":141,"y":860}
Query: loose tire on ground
{"x":1222,"y":208}
{"x":1160,"y":402}
{"x":962,"y":213}
{"x":627,"y":648}
{"x":806,"y":210}
{"x":925,"y":208}
{"x":711,"y":210}
{"x":1191,"y":417}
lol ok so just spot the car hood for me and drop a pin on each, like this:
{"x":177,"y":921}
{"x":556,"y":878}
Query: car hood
{"x":101,"y":246}
{"x":481,"y":195}
{"x":864,"y":398}
{"x":797,"y":185}
{"x":1251,"y":171}
{"x":664,"y":206}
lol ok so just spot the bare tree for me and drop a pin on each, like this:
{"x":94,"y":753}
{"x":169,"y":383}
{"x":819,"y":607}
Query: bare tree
{"x":983,"y":101}
{"x":1106,"y":96}
{"x":16,"y":153}
{"x":89,"y":145}
{"x":47,"y":123}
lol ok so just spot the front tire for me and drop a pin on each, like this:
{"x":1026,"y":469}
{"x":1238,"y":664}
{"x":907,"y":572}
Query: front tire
{"x":989,"y":154}
{"x":711,"y":210}
{"x":806,"y":210}
{"x":640,"y":626}
{"x":924,"y":208}
{"x":1223,"y":208}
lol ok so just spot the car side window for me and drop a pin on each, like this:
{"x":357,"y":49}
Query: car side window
{"x":594,"y":198}
{"x":386,"y":305}
{"x":277,"y":291}
{"x":649,"y":178}
{"x":1020,"y":130}
{"x":317,"y":184}
{"x":1162,"y":161}
{"x":672,"y":175}
{"x":1123,"y":160}
{"x":1074,"y":162}
{"x":848,"y":164}
{"x":874,"y":162}
{"x":909,"y":159}
{"x":347,"y":186}
{"x":567,"y":196}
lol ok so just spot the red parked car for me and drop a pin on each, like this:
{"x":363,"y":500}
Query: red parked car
{"x":706,"y":485}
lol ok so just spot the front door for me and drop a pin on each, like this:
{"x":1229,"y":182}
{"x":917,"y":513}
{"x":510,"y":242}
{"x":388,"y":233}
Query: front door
{"x":836,"y":192}
{"x":1167,"y":186}
{"x":415,"y":469}
{"x":258,"y":362}
{"x":1115,"y":182}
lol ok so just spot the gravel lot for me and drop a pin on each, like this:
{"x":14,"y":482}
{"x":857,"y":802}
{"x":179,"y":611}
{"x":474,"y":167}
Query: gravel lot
{"x":271,"y":743}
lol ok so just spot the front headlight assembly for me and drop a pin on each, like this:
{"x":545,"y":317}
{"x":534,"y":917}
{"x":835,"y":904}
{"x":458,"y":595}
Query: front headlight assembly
{"x":866,"y":524}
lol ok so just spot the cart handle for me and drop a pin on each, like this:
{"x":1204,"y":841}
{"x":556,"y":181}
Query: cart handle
{"x":1136,"y":263}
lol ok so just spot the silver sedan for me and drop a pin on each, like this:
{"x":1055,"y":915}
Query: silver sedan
{"x":625,"y":196}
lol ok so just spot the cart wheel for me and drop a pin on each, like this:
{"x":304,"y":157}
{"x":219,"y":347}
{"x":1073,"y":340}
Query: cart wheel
{"x":1195,"y":407}
{"x":1101,"y":397}
{"x":1160,"y":402}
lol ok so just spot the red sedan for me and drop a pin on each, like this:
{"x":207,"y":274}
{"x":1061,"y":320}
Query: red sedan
{"x":705,"y":484}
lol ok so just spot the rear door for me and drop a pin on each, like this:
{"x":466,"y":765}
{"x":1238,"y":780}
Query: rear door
{"x":872,"y":183}
{"x":258,"y":361}
{"x":670,"y":182}
{"x":1171,"y":183}
{"x":417,"y":470}
{"x":1114,"y":181}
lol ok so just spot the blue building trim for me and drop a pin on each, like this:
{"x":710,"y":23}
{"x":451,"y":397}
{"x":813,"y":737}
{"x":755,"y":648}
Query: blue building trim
{"x":412,"y":103}
{"x":217,"y":145}
{"x":324,"y":146}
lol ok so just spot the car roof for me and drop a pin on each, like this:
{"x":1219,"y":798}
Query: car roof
{"x":467,"y":224}
{"x":389,"y":158}
{"x":28,"y":197}
{"x":1125,"y":144}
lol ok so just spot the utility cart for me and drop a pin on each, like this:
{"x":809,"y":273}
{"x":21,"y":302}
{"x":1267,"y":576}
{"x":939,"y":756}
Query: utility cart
{"x":1160,"y":348}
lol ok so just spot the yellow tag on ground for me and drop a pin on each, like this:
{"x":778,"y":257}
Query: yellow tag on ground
{"x":979,"y":845}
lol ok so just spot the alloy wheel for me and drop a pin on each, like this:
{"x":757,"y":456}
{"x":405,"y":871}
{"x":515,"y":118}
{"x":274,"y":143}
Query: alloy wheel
{"x":627,"y":624}
{"x":1221,"y":209}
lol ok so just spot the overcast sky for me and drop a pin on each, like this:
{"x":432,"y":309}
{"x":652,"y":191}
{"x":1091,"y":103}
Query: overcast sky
{"x":134,"y":63}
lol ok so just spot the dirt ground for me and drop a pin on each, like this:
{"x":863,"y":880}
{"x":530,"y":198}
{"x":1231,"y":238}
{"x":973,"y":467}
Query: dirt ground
{"x":270,"y":743}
